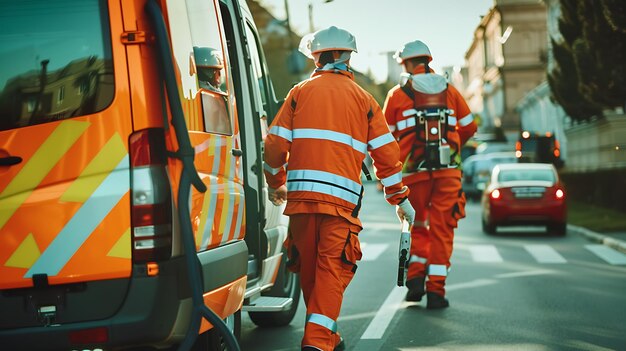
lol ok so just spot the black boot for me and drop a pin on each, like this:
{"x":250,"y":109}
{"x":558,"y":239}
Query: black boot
{"x":416,"y":289}
{"x":341,"y":346}
{"x":436,"y":301}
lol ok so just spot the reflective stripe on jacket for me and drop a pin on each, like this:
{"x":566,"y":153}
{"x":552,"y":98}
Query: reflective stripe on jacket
{"x":319,"y":139}
{"x":400,"y":112}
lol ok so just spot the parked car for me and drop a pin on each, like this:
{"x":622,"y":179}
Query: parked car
{"x":477,"y":169}
{"x":524,"y":194}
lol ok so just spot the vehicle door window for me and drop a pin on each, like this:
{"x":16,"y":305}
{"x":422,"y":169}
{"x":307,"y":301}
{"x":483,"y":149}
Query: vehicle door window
{"x":204,"y":59}
{"x":259,"y":77}
{"x":63,"y":69}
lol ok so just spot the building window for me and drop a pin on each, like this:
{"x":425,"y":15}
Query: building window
{"x":61,"y":95}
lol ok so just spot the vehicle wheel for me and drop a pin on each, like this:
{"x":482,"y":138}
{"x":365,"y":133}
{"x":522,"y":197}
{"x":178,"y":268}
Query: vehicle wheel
{"x":488,"y":228}
{"x":212,"y":340}
{"x":287,"y":284}
{"x":559,"y":229}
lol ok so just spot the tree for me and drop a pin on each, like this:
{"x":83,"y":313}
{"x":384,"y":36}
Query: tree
{"x":564,"y":79}
{"x":591,"y":59}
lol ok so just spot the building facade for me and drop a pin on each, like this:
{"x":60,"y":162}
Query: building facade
{"x":506,"y":60}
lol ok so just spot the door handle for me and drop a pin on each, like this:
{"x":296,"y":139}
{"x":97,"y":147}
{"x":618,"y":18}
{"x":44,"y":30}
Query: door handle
{"x":10,"y":160}
{"x":236,"y":152}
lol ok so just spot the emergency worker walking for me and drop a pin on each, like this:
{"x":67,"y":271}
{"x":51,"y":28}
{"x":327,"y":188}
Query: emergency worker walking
{"x":431,"y":121}
{"x":316,"y":146}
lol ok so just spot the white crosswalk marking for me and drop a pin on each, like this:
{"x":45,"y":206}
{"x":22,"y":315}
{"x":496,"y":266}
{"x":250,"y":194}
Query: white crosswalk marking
{"x":608,"y":254}
{"x":485,"y":253}
{"x":372,"y":251}
{"x":544,"y":254}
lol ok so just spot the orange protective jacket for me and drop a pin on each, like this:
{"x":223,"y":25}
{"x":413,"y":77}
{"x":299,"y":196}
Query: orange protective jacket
{"x":318,"y":141}
{"x":399,"y":111}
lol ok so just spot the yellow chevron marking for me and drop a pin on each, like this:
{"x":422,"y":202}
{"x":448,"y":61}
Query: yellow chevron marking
{"x":25,"y":255}
{"x":36,"y":169}
{"x":121,"y":249}
{"x":96,"y":171}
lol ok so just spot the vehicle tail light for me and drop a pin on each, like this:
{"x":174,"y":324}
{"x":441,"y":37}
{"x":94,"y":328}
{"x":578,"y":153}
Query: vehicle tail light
{"x":496,"y":194}
{"x":89,"y":336}
{"x":560,"y":194}
{"x":151,"y":208}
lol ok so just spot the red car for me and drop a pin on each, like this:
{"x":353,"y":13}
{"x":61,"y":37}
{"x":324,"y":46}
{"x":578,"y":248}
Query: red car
{"x":524,"y":194}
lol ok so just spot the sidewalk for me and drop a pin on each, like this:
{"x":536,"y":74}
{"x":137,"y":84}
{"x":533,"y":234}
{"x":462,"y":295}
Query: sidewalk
{"x":616,"y":240}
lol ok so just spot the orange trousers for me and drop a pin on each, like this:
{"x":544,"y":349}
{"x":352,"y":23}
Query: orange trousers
{"x":324,"y":249}
{"x":439,"y":203}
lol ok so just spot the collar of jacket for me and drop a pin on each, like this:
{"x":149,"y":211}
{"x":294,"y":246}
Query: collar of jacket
{"x":319,"y":72}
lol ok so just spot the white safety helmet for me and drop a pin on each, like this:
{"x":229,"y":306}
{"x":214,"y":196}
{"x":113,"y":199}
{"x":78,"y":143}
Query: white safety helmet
{"x":208,"y":57}
{"x":413,"y":49}
{"x":331,"y":38}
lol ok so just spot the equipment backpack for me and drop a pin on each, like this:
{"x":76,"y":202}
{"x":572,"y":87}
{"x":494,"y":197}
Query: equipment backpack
{"x":431,"y":148}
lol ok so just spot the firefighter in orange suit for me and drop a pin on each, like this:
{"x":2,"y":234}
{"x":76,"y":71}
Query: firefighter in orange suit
{"x":314,"y":152}
{"x":431,"y":121}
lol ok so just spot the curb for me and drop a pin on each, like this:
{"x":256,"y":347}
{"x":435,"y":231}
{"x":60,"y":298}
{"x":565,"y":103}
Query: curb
{"x":618,"y":245}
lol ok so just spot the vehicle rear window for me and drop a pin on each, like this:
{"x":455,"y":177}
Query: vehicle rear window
{"x":55,"y":61}
{"x":526,"y":174}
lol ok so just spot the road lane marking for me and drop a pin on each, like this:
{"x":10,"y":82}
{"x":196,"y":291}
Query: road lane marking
{"x":608,"y":254}
{"x":473,"y":284}
{"x":485,"y":253}
{"x":378,"y":325}
{"x":544,"y":254}
{"x":524,"y":274}
{"x":371,"y":252}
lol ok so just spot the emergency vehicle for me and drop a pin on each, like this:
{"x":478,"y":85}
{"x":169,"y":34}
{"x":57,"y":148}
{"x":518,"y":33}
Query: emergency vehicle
{"x":538,"y":147}
{"x":129,"y":214}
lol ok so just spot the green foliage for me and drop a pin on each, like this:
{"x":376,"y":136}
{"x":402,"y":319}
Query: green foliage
{"x":590,"y":70}
{"x":596,"y":218}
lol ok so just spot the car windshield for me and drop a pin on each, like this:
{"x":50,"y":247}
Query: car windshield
{"x":509,"y":175}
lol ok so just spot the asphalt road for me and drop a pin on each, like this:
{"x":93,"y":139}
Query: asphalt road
{"x":520,"y":289}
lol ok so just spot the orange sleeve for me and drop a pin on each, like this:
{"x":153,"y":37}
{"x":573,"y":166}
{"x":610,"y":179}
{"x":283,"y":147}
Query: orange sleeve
{"x":390,"y":110}
{"x":278,"y":143}
{"x":466,"y":126}
{"x":385,"y":153}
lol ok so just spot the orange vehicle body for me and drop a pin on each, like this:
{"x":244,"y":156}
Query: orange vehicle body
{"x":91,"y":171}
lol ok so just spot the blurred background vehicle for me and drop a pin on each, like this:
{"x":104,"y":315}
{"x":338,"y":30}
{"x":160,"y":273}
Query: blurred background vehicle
{"x":477,"y":169}
{"x":543,"y":148}
{"x":524,"y":194}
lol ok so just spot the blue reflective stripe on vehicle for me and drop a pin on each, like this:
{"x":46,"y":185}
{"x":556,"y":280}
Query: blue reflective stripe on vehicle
{"x":325,"y":177}
{"x":322,"y":320}
{"x":438,"y":269}
{"x":84,"y":222}
{"x":323,"y":134}
{"x":281,"y":132}
{"x":392,"y":179}
{"x":381,"y":141}
{"x":466,"y":120}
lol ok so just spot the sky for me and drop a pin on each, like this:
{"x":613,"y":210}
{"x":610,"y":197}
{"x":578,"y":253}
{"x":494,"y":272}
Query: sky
{"x":446,"y":26}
